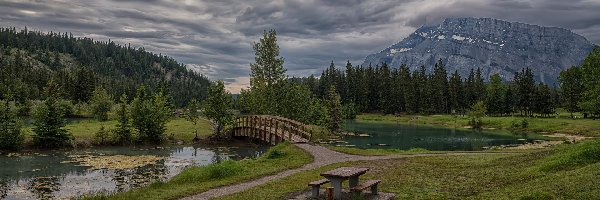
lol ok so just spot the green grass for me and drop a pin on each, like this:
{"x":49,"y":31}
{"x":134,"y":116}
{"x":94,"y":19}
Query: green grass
{"x":586,"y":127}
{"x":199,"y":179}
{"x":378,"y":152}
{"x":83,"y":131}
{"x":512,"y":176}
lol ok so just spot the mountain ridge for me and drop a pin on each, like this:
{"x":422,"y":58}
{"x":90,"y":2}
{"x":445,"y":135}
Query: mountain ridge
{"x":494,"y":45}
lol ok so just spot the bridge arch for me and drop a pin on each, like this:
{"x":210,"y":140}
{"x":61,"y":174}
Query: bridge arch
{"x":271,"y":129}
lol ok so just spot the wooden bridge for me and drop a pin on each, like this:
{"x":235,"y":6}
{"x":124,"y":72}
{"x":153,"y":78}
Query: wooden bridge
{"x":271,"y":129}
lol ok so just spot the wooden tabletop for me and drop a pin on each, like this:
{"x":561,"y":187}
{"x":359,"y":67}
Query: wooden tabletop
{"x":345,"y":172}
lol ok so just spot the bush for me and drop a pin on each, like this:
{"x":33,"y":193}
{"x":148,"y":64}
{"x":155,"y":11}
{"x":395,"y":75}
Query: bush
{"x":349,"y":111}
{"x":11,"y":137}
{"x":101,"y":103}
{"x":102,"y":136}
{"x":476,"y":115}
{"x":223,"y":169}
{"x":523,"y":123}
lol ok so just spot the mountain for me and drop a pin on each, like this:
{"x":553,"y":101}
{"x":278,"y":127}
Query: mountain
{"x":30,"y":59}
{"x":494,"y":45}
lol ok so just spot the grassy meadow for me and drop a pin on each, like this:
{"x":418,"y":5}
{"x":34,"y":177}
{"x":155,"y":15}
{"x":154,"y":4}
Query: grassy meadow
{"x":84,"y":130}
{"x":560,"y":172}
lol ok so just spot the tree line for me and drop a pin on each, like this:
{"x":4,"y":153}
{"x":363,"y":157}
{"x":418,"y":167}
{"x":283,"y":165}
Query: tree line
{"x":388,"y":90}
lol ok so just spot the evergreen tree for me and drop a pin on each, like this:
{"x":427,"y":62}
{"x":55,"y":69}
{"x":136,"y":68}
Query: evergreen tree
{"x":456,"y":93}
{"x":571,"y":87}
{"x":590,"y":101}
{"x":496,"y":91}
{"x":334,"y":108}
{"x":49,"y":122}
{"x":122,"y":132}
{"x":11,"y":136}
{"x":525,"y":91}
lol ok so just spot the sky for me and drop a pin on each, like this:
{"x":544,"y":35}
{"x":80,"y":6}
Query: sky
{"x":215,"y":37}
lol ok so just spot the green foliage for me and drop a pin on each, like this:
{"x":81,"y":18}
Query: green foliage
{"x":349,"y":111}
{"x":519,"y":124}
{"x":149,"y":115}
{"x":334,"y":109}
{"x":571,"y":87}
{"x":101,"y":103}
{"x":573,"y":156}
{"x":224,"y":169}
{"x":11,"y":137}
{"x":496,"y":94}
{"x":102,"y":136}
{"x":267,"y":73}
{"x":79,"y":65}
{"x":49,"y":125}
{"x":193,"y":113}
{"x":123,"y":133}
{"x":476,"y":114}
{"x":216,"y":108}
{"x":590,"y":101}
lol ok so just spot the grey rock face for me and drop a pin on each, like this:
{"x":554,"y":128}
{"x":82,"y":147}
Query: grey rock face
{"x":495,"y":46}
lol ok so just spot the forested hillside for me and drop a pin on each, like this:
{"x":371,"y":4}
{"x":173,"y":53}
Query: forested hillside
{"x":30,"y":59}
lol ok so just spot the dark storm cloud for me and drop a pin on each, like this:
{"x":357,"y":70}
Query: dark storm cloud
{"x":215,"y":37}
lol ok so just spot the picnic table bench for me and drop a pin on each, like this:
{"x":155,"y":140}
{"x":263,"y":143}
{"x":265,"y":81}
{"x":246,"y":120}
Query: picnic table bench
{"x":337,"y":176}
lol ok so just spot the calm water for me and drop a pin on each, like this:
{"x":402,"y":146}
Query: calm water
{"x":402,"y":136}
{"x":36,"y":175}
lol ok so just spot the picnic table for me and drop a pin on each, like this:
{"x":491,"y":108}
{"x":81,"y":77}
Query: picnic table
{"x":337,"y":176}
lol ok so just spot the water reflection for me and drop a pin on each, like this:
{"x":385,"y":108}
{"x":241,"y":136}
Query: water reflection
{"x":45,"y":175}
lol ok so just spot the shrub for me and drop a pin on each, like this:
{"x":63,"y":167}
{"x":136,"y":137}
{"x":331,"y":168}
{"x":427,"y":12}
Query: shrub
{"x":476,"y":114}
{"x":102,"y":136}
{"x":523,"y":123}
{"x":223,"y":169}
{"x":101,"y":103}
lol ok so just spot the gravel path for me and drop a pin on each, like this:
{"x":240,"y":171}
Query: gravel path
{"x":322,"y":157}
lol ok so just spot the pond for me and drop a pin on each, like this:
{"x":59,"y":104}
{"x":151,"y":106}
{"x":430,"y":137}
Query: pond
{"x":385,"y":135}
{"x":72,"y":173}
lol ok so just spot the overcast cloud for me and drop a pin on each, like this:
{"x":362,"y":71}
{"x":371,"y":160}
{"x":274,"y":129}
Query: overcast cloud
{"x":215,"y":37}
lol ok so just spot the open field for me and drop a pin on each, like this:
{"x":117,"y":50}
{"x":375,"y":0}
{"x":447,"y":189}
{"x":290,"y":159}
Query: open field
{"x":586,"y":127}
{"x":563,"y":172}
{"x":199,"y":179}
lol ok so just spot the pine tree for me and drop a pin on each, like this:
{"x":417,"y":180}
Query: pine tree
{"x":49,"y":122}
{"x":122,"y":132}
{"x":11,"y":136}
{"x":495,"y":98}
{"x":571,"y":87}
{"x":456,"y":94}
{"x":590,"y":101}
{"x":334,"y":108}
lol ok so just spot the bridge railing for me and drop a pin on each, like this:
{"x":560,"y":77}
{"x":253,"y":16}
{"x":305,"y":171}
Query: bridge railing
{"x":285,"y":128}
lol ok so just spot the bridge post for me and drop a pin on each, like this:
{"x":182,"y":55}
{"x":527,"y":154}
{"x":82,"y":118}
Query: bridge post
{"x":276,"y":129}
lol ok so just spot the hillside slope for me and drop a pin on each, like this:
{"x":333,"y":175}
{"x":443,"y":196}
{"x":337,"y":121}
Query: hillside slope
{"x":30,"y":59}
